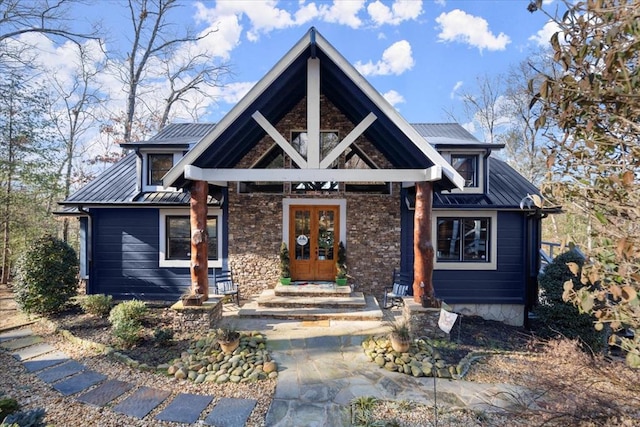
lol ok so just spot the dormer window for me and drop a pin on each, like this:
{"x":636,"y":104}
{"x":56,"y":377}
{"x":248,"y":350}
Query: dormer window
{"x":159,"y":165}
{"x":467,"y":167}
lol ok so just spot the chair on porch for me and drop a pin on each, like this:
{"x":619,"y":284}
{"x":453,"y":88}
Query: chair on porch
{"x":224,"y":285}
{"x":399,"y":288}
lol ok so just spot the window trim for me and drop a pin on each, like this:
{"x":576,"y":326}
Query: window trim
{"x":480,"y":172}
{"x":162,"y":249}
{"x":467,"y":265}
{"x":145,"y":170}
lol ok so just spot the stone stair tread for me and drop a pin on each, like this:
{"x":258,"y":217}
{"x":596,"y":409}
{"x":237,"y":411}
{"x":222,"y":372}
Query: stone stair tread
{"x":370,"y":312}
{"x":309,"y":289}
{"x":185,"y":408}
{"x":231,"y":412}
{"x":143,"y":401}
{"x":269,"y":298}
{"x":105,"y":392}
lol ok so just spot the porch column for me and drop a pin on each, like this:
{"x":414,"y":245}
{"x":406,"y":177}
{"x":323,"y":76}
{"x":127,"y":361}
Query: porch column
{"x":422,"y":245}
{"x":199,"y":257}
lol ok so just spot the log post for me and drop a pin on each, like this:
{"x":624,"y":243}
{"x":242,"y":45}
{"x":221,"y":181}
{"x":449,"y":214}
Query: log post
{"x":199,"y":239}
{"x":422,"y":244}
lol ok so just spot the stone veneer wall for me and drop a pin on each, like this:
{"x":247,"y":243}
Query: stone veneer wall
{"x":255,"y":220}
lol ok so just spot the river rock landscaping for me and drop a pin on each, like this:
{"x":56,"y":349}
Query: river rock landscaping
{"x":205,"y":361}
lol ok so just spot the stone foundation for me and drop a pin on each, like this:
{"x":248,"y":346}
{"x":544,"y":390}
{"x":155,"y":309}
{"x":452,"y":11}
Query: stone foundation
{"x":423,"y":322}
{"x":510,"y":314}
{"x":197,"y":319}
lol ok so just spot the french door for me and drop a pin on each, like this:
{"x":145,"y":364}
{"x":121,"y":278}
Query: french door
{"x":313,"y":242}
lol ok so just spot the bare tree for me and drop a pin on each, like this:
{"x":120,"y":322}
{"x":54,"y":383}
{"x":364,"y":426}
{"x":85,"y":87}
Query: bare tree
{"x":154,"y":40}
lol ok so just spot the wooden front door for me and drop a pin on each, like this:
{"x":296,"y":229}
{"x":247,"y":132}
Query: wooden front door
{"x":314,"y":238}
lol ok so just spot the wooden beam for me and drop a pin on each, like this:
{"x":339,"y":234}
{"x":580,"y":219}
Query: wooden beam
{"x":199,"y":238}
{"x":313,"y":112}
{"x":422,"y":243}
{"x":279,"y":139}
{"x":433,"y":173}
{"x":348,"y":140}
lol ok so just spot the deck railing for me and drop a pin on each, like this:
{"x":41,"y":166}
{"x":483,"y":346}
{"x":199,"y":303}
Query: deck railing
{"x":549,"y":250}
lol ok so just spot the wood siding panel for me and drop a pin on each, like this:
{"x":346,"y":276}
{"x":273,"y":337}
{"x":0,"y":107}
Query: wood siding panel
{"x":505,"y":285}
{"x":127,"y":241}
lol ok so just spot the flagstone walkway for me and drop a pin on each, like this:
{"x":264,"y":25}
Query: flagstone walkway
{"x":70,"y":377}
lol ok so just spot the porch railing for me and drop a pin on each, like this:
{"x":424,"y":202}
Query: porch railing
{"x":549,"y":250}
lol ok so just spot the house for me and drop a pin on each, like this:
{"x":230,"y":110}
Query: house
{"x":313,"y":155}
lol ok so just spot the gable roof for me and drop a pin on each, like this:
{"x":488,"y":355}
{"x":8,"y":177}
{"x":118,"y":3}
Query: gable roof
{"x":284,"y":86}
{"x":179,"y":135}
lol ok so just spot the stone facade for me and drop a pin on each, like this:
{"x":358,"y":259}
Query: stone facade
{"x":423,"y":322}
{"x":255,"y":219}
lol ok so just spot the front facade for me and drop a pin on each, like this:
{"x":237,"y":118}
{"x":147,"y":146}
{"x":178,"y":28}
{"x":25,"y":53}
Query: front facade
{"x":313,"y":156}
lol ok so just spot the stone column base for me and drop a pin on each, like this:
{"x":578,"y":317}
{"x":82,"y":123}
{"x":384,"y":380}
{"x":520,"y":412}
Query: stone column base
{"x":197,"y":319}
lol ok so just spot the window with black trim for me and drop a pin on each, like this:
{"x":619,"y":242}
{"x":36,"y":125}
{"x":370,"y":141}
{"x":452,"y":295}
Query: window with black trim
{"x":463,"y":239}
{"x":328,"y":141}
{"x":178,"y":237}
{"x":467,"y":167}
{"x":274,"y":159}
{"x":157,"y":166}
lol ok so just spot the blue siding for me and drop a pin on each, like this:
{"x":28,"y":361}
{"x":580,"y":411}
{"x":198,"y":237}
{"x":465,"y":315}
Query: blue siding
{"x":125,"y":264}
{"x":505,"y":285}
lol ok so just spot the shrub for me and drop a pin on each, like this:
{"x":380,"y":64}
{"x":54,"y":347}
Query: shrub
{"x":162,"y":335}
{"x":126,"y":321}
{"x":46,"y":276}
{"x":557,"y":316}
{"x":31,"y":418}
{"x":8,"y":406}
{"x":97,"y":305}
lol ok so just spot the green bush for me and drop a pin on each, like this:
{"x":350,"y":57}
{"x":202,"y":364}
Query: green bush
{"x":97,"y":305}
{"x":162,"y":335}
{"x":558,"y":317}
{"x":8,"y":406}
{"x":46,"y":276}
{"x":31,"y":418}
{"x":126,"y":321}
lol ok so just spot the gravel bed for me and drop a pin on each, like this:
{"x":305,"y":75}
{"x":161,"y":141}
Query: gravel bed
{"x":31,"y":392}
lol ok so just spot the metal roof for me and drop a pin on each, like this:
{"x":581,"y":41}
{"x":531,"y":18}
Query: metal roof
{"x":175,"y":135}
{"x":506,"y":189}
{"x":117,"y":186}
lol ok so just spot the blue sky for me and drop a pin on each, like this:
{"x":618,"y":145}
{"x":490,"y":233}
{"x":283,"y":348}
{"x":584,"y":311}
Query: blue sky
{"x":419,"y":54}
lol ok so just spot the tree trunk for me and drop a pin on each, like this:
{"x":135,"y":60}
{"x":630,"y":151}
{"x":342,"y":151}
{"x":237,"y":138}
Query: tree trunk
{"x":422,"y":244}
{"x":199,"y":238}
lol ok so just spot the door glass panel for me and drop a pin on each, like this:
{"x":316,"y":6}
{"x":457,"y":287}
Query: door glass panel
{"x":303,"y":234}
{"x":326,"y":234}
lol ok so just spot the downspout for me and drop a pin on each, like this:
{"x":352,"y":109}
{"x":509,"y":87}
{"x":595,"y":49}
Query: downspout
{"x":88,"y":246}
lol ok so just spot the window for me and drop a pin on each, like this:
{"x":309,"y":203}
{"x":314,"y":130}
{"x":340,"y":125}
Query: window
{"x":465,"y":240}
{"x":328,"y":141}
{"x":175,"y":238}
{"x":467,"y":167}
{"x":273,"y":159}
{"x":158,"y":166}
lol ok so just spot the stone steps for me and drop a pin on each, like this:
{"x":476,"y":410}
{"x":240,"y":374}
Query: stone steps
{"x":269,"y":298}
{"x":305,"y":289}
{"x":370,"y":311}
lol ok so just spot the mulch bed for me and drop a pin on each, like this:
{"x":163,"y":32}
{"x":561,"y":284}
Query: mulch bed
{"x":148,"y":350}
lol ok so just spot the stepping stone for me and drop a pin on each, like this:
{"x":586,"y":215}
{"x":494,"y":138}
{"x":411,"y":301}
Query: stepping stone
{"x":79,"y":382}
{"x":45,"y":361}
{"x":231,"y":412}
{"x":185,"y":408}
{"x":16,"y":333}
{"x":33,"y":351}
{"x":61,"y":371}
{"x":140,"y":403}
{"x":105,"y":392}
{"x":21,"y":342}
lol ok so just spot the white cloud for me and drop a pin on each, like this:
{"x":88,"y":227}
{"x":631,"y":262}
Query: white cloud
{"x":440,"y":2}
{"x":396,"y":59}
{"x":458,"y":26}
{"x":542,"y":37}
{"x":232,"y":93}
{"x":343,"y":12}
{"x":455,"y":89}
{"x":400,"y":11}
{"x":393,"y":98}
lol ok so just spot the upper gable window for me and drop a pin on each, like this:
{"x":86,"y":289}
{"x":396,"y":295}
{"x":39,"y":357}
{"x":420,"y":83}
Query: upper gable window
{"x":467,"y":167}
{"x":328,"y":141}
{"x":273,"y":159}
{"x":159,"y":165}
